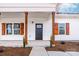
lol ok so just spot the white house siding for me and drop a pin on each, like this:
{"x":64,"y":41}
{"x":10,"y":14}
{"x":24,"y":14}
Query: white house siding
{"x":73,"y":20}
{"x":11,"y":18}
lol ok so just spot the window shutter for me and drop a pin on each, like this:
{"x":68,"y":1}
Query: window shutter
{"x":21,"y":28}
{"x":56,"y":29}
{"x":67,"y":28}
{"x":3,"y":28}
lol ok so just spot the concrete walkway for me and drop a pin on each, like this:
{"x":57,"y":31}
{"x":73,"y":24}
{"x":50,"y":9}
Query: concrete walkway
{"x":60,"y":53}
{"x":38,"y":51}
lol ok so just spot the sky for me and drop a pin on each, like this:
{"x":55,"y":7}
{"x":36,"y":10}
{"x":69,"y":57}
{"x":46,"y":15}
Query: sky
{"x":68,"y":8}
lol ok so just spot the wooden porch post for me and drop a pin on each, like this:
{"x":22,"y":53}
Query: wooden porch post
{"x":26,"y":27}
{"x":53,"y":21}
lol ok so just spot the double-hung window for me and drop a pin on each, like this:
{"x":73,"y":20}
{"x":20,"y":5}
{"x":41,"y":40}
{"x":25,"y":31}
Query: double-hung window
{"x":16,"y":28}
{"x":61,"y":29}
{"x":13,"y":28}
{"x":9,"y":28}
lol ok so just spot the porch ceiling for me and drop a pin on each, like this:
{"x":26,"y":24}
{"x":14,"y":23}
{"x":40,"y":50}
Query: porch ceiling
{"x":39,"y":14}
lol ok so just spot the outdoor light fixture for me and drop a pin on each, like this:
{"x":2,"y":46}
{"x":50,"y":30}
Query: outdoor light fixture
{"x":32,"y":22}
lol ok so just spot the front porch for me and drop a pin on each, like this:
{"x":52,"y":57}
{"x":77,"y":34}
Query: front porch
{"x":25,"y":27}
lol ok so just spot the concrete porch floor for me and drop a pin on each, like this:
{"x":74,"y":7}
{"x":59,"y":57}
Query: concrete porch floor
{"x":38,"y":43}
{"x":11,"y":43}
{"x":31,"y":43}
{"x":19,"y":43}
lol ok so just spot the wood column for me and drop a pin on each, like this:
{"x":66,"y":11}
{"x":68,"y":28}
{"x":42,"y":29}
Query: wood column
{"x":26,"y":27}
{"x":53,"y":21}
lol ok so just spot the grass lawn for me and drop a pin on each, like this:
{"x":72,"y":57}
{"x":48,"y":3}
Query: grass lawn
{"x":67,"y":46}
{"x":15,"y":51}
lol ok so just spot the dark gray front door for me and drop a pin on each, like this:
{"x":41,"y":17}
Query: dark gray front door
{"x":39,"y":31}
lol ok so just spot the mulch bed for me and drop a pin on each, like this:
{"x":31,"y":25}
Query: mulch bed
{"x":67,"y":46}
{"x":15,"y":51}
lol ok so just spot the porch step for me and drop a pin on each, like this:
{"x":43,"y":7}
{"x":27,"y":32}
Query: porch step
{"x":38,"y":43}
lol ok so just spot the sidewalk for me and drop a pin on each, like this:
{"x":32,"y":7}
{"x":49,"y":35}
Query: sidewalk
{"x":38,"y":51}
{"x":60,"y":53}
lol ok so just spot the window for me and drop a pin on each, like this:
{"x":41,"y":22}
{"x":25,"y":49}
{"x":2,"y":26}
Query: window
{"x":39,"y":26}
{"x":16,"y":28}
{"x":9,"y":28}
{"x":61,"y":29}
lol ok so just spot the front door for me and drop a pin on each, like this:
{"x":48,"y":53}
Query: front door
{"x":39,"y":31}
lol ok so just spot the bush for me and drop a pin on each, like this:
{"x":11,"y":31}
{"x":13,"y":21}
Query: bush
{"x":23,"y":42}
